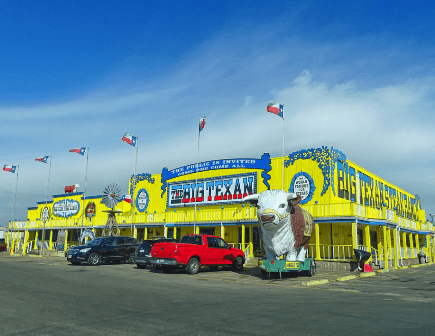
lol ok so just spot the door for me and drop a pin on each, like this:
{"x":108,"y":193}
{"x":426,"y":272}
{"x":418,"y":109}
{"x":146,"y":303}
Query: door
{"x":110,"y":250}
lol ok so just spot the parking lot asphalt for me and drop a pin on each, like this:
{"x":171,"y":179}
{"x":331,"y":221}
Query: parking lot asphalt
{"x":249,"y":275}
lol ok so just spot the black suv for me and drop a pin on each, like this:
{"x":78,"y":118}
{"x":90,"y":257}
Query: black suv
{"x":115,"y":249}
{"x":142,"y":258}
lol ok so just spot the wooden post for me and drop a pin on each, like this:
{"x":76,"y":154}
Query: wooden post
{"x":317,"y":233}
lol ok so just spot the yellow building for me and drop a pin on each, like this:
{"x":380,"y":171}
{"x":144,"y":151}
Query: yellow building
{"x":352,"y":208}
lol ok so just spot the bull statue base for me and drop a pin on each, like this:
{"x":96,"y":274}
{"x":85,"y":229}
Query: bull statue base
{"x":285,"y":228}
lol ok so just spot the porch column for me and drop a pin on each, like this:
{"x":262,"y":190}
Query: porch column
{"x":145,"y":234}
{"x":411,"y":245}
{"x":135,"y":232}
{"x":154,"y":231}
{"x":222,"y":231}
{"x":384,"y":234}
{"x":243,"y":237}
{"x":50,"y":245}
{"x":165,"y":231}
{"x":433,"y":246}
{"x":26,"y":238}
{"x":65,"y":246}
{"x":13,"y":242}
{"x":417,"y":244}
{"x":317,"y":233}
{"x":429,"y":253}
{"x":354,"y":236}
{"x":396,"y":249}
{"x":404,"y":245}
{"x":35,"y":246}
{"x":251,"y":241}
{"x":367,"y":238}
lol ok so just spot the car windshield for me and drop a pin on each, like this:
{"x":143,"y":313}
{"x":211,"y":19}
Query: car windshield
{"x":96,"y":241}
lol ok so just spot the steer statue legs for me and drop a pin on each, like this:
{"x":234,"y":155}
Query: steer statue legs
{"x":285,"y":227}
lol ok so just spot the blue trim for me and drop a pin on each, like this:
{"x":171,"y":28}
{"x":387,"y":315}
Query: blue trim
{"x":93,"y":197}
{"x":48,"y":202}
{"x":326,"y":159}
{"x":68,"y":195}
{"x":32,"y":208}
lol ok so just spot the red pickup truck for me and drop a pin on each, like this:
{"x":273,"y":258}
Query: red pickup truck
{"x":194,"y":251}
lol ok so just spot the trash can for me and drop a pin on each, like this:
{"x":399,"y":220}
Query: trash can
{"x":421,"y":256}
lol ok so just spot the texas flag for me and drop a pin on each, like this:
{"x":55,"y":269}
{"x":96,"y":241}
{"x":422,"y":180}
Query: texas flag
{"x":201,"y":124}
{"x":42,"y":159}
{"x":131,"y":140}
{"x":9,"y":168}
{"x":80,"y":151}
{"x":127,"y":198}
{"x":276,"y":108}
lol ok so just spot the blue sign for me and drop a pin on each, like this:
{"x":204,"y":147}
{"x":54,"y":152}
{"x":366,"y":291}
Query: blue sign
{"x":303,"y":185}
{"x":66,"y":208}
{"x":263,"y":164}
{"x":142,"y":200}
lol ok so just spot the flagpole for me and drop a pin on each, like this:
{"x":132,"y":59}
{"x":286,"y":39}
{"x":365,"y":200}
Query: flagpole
{"x":15,"y":196}
{"x":46,"y":200}
{"x":86,"y":179}
{"x":283,"y":137}
{"x":196,"y":183}
{"x":133,"y":188}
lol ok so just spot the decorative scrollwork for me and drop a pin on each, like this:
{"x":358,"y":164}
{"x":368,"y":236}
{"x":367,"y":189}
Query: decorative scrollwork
{"x":140,"y":177}
{"x":326,"y":159}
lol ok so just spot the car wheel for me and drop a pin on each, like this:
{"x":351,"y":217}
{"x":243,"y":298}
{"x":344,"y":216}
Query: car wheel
{"x":312,"y":269}
{"x":94,"y":259}
{"x":238,"y":264}
{"x":193,"y":266}
{"x":75,"y":262}
{"x":141,"y":266}
{"x":131,"y":259}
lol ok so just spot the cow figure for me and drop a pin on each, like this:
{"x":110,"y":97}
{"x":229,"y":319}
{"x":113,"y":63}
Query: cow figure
{"x":285,"y":228}
{"x":71,"y":189}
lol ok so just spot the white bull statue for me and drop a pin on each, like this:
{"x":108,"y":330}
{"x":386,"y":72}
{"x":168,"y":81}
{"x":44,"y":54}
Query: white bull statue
{"x":285,"y":228}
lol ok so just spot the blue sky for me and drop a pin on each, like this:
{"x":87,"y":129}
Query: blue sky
{"x":359,"y":77}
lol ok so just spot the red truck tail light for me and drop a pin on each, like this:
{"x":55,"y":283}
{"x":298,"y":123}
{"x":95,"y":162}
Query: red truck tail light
{"x":272,"y":261}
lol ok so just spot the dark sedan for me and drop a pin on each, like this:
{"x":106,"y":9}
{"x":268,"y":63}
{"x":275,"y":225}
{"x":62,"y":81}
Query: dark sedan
{"x":114,"y":249}
{"x":142,"y":258}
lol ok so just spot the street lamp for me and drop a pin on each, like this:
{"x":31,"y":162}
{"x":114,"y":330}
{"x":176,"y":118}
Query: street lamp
{"x":431,"y":216}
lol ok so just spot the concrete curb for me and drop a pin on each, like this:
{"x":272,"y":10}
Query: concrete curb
{"x":383,"y":270}
{"x":345,"y":278}
{"x":314,"y":283}
{"x":368,"y":274}
{"x":403,"y":267}
{"x":415,"y":266}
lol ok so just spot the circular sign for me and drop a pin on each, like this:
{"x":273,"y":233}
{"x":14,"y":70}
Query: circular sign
{"x":45,"y":215}
{"x":142,"y":200}
{"x":302,"y":184}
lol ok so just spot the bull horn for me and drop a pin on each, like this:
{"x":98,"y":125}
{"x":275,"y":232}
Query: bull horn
{"x":250,"y":198}
{"x":291,"y":196}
